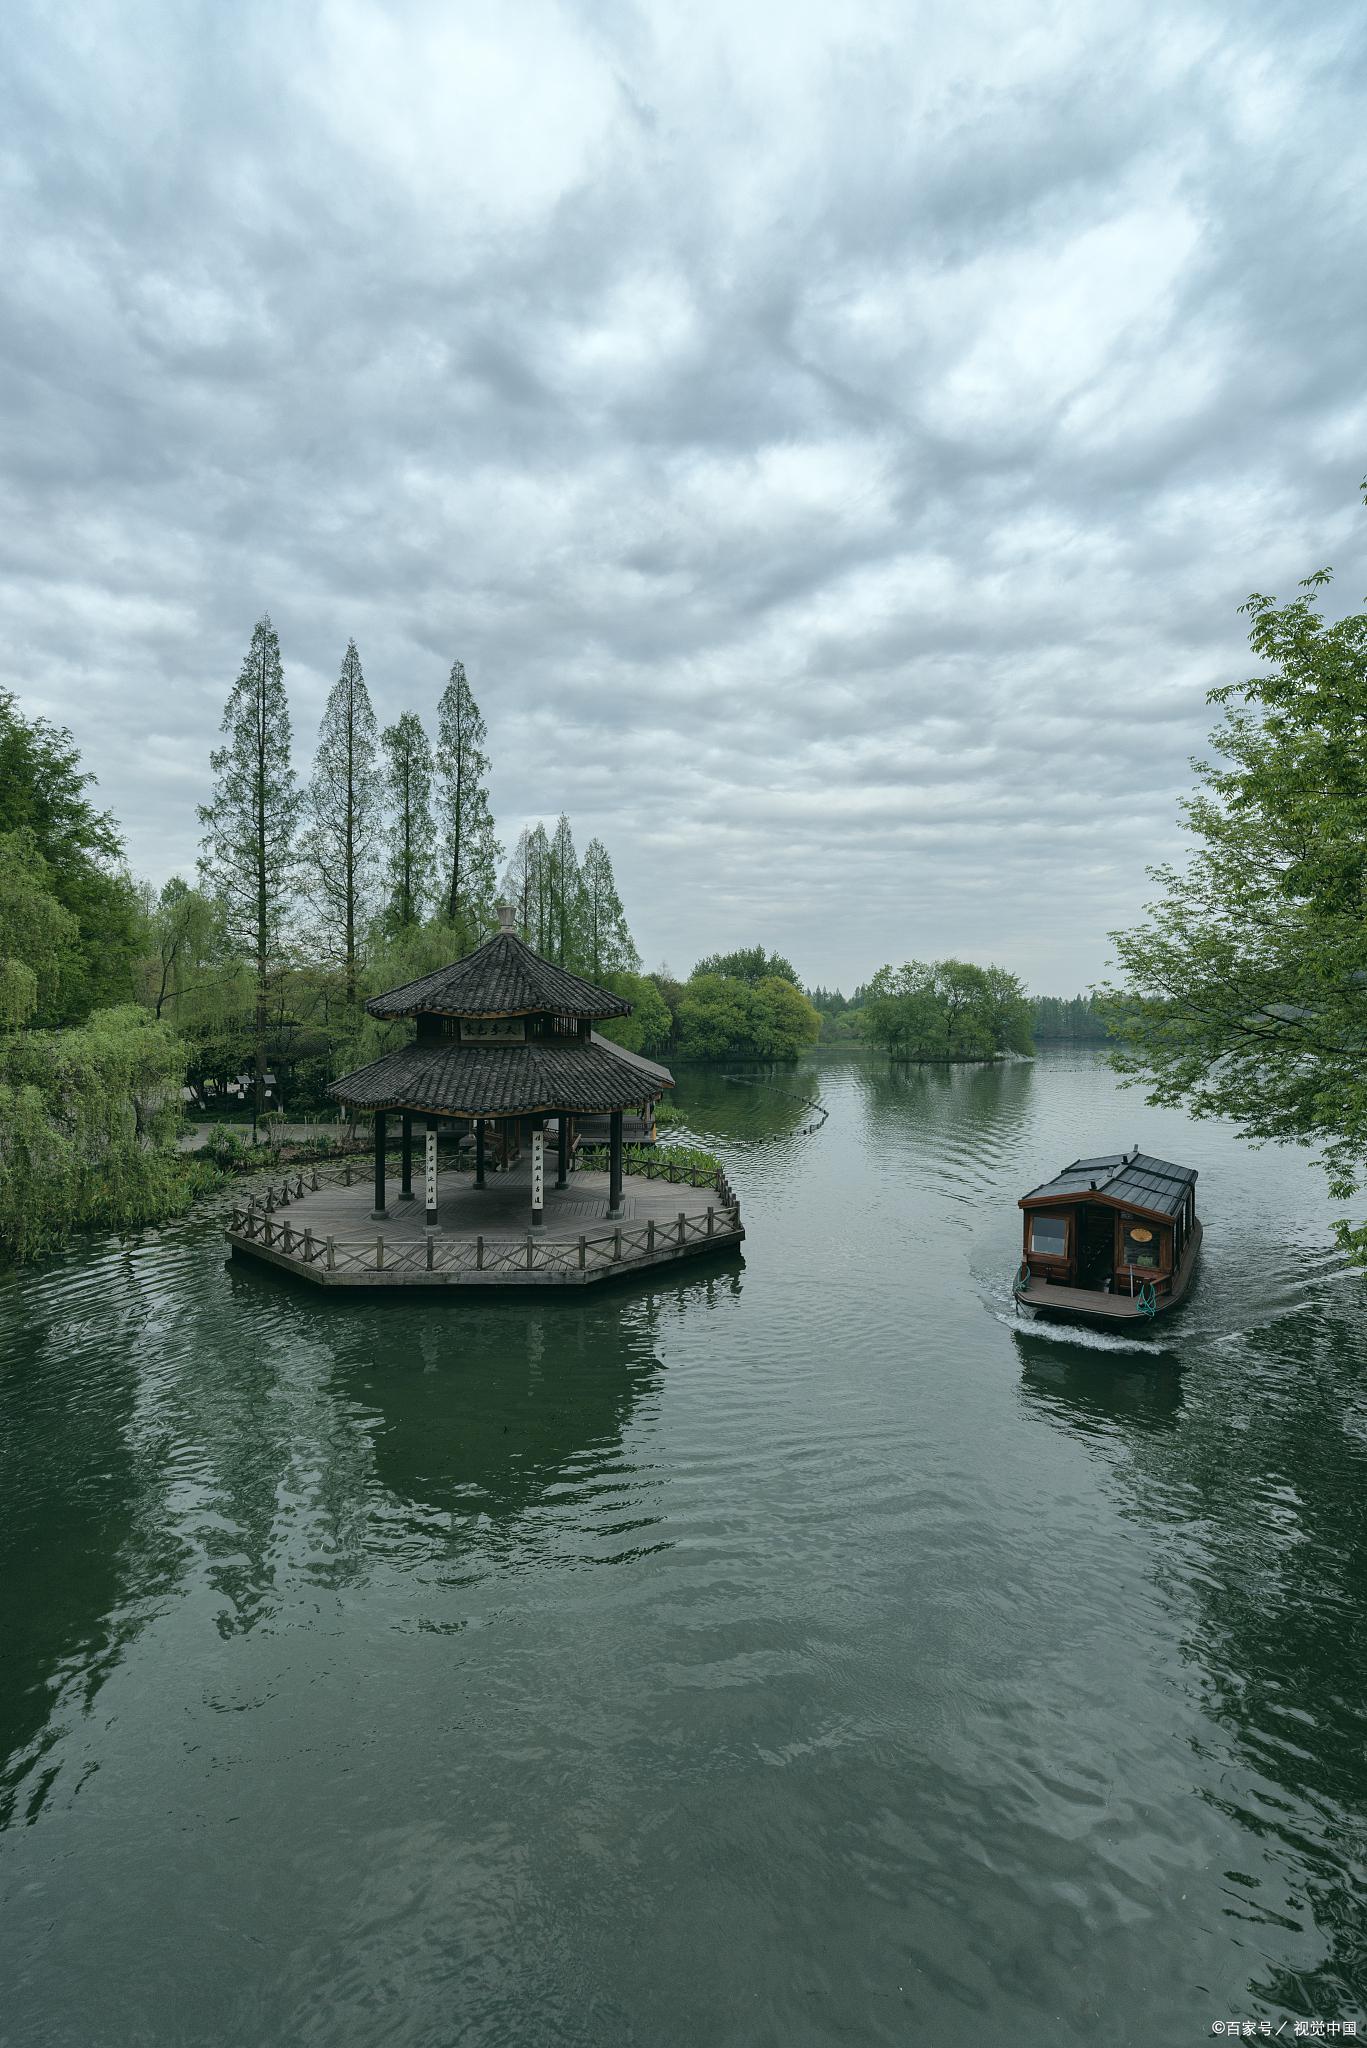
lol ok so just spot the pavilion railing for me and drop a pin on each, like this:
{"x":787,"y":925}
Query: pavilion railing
{"x":260,"y":1222}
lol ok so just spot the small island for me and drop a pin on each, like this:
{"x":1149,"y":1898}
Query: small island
{"x":504,"y":1042}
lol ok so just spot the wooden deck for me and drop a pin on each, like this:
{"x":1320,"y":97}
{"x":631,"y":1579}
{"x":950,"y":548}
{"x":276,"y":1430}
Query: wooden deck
{"x":326,"y":1233}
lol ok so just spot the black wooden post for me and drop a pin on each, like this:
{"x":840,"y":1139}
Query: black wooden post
{"x":615,"y":1163}
{"x":430,"y":1174}
{"x":479,"y":1153}
{"x":562,"y":1164}
{"x":379,"y":1209}
{"x":406,"y":1186}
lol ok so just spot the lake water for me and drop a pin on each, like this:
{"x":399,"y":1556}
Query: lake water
{"x":804,"y":1650}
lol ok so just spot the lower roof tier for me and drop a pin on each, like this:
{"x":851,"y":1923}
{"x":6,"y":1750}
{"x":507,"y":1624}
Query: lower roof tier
{"x":590,"y":1075}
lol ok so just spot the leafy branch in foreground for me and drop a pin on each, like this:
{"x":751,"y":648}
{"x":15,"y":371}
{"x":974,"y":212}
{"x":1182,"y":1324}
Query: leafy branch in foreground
{"x":1244,"y":994}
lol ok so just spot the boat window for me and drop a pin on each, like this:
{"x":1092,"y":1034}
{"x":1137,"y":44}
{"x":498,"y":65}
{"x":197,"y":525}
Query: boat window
{"x":1141,"y":1245}
{"x":1049,"y":1234}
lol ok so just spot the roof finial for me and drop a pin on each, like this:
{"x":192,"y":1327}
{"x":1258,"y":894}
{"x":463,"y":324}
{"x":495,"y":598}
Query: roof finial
{"x":505,"y":916}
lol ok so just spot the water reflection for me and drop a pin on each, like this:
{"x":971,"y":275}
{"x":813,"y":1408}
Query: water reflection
{"x":749,"y":1102}
{"x":1247,"y":1469}
{"x":60,"y":1582}
{"x":480,"y":1416}
{"x":1101,"y":1385}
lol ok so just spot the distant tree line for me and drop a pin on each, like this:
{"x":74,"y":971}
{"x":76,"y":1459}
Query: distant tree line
{"x":1068,"y":1020}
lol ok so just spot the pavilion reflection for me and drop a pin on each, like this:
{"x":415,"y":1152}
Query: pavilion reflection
{"x":489,"y":1411}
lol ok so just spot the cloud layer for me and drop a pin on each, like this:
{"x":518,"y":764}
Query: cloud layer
{"x":836,"y":441}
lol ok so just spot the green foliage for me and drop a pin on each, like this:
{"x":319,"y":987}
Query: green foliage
{"x":471,"y":849}
{"x":683,"y":1157}
{"x":42,"y":795}
{"x":606,"y":945}
{"x":564,"y":907}
{"x":1068,"y":1020}
{"x":342,"y":842}
{"x":751,"y":964}
{"x":842,"y":1027}
{"x":649,"y":1027}
{"x":37,"y":936}
{"x":946,"y":1010}
{"x":88,"y":1118}
{"x":411,"y":835}
{"x":189,"y":972}
{"x":1243,"y":994}
{"x":722,"y":1017}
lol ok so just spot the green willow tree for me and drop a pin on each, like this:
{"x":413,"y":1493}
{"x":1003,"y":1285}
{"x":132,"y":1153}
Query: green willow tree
{"x":87,"y":1126}
{"x":43,"y":795}
{"x":472,"y":850}
{"x":251,"y":824}
{"x":344,"y":812}
{"x":606,"y":944}
{"x":37,"y":936}
{"x":1244,"y":994}
{"x":411,"y":834}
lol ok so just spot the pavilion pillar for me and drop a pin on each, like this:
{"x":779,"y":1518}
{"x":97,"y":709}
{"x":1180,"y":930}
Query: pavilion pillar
{"x":430,"y":1174}
{"x":406,"y":1185}
{"x":615,"y":1163}
{"x":379,"y":1211}
{"x":562,"y":1162}
{"x":479,"y":1152}
{"x":538,"y":1175}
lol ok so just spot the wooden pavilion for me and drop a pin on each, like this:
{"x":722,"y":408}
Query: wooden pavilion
{"x":504,"y":1040}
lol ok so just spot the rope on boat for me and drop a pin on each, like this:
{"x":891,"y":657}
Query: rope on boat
{"x":1147,"y":1302}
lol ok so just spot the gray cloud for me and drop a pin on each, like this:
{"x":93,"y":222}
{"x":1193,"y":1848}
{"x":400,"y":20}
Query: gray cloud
{"x":836,"y":443}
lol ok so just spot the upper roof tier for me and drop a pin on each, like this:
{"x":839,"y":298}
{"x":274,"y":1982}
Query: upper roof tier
{"x":1131,"y":1180}
{"x":501,"y":978}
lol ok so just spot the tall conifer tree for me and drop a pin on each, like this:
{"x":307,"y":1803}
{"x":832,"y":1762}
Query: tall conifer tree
{"x":251,"y":823}
{"x":472,"y":850}
{"x":344,"y":819}
{"x":519,"y":885}
{"x":606,"y":944}
{"x":540,"y":905}
{"x":565,"y":917}
{"x":411,"y":834}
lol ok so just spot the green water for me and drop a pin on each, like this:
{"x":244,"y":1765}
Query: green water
{"x":801,"y":1651}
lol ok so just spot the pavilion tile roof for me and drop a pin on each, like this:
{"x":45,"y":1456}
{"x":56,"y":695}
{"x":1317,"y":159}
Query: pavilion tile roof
{"x":501,"y":978}
{"x":587,"y":1075}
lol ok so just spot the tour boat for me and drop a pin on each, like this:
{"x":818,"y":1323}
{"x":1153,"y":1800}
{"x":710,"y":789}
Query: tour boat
{"x":1110,"y":1240}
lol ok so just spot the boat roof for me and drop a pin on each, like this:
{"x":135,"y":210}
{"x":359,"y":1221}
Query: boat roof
{"x":1136,"y":1180}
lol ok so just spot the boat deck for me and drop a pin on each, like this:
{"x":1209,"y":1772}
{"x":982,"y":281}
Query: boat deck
{"x":1108,"y":1308}
{"x":329,"y":1235}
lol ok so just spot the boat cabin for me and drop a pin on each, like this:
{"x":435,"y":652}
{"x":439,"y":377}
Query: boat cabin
{"x":1112,"y":1226}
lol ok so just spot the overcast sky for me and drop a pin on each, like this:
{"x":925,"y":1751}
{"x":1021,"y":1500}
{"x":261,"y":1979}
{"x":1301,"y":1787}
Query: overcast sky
{"x":835,"y":438}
